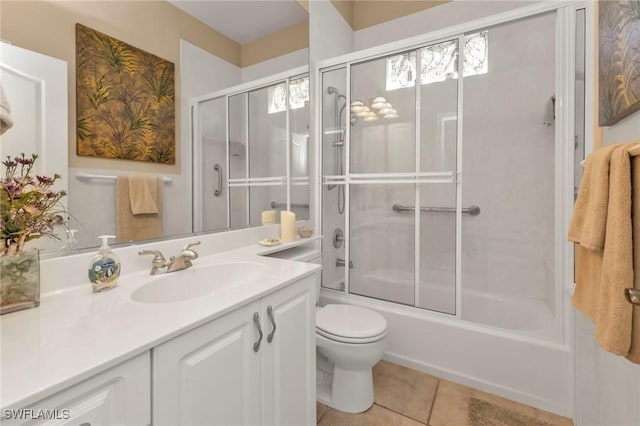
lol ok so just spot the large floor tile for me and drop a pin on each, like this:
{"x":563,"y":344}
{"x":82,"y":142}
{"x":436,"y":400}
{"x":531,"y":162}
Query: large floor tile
{"x":463,"y":406}
{"x":375,"y":416}
{"x":403,"y":390}
{"x":321,"y":410}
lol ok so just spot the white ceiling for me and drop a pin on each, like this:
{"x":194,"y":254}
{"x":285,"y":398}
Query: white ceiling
{"x":245,"y":20}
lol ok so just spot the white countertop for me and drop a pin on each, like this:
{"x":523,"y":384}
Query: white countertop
{"x":76,"y":333}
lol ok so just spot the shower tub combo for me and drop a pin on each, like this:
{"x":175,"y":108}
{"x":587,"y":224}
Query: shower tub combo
{"x":446,"y":168}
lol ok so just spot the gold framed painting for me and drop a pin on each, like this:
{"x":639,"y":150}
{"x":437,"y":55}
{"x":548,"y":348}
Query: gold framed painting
{"x":125,"y":100}
{"x":619,"y":59}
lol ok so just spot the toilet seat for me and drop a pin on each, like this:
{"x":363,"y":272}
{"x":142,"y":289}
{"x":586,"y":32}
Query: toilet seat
{"x":350,"y":324}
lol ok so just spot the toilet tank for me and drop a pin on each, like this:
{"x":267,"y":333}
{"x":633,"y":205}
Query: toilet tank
{"x":303,"y":254}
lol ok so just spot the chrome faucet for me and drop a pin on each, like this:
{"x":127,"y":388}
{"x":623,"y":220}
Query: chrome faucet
{"x":175,"y":263}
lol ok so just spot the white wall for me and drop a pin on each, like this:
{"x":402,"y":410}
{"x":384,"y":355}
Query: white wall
{"x":329,"y":34}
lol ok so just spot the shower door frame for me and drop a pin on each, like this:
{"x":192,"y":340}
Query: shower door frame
{"x":196,"y":136}
{"x":564,"y":131}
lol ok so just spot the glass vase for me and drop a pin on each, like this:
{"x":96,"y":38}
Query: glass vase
{"x":19,"y":281}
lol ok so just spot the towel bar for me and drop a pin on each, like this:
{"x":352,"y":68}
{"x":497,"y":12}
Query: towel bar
{"x":473,"y":210}
{"x":89,"y":176}
{"x":632,"y":295}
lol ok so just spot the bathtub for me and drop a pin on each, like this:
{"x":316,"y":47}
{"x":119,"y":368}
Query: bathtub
{"x":506,"y":355}
{"x":526,"y":315}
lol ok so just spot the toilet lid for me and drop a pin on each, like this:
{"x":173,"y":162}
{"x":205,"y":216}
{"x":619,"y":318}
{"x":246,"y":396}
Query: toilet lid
{"x":348,"y":321}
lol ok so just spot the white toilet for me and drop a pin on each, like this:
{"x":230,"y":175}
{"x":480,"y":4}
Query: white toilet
{"x":350,"y":340}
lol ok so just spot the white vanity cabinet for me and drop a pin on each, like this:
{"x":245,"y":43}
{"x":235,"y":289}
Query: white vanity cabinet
{"x":118,"y":396}
{"x":253,"y":366}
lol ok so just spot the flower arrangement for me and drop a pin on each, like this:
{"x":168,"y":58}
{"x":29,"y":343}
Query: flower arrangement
{"x":28,"y":206}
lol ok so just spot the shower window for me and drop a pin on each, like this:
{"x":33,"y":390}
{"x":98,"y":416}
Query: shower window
{"x":298,"y":95}
{"x":439,"y":62}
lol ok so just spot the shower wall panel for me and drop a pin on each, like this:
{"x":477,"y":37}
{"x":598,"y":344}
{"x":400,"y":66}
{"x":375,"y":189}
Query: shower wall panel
{"x":509,"y":163}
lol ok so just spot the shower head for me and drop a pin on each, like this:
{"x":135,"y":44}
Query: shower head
{"x":333,"y":91}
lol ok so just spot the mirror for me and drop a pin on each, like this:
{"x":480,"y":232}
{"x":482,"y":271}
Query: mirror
{"x":256,"y":160}
{"x":228,"y":44}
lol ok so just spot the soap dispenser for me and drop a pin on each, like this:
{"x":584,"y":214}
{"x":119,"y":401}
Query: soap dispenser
{"x":104,"y":269}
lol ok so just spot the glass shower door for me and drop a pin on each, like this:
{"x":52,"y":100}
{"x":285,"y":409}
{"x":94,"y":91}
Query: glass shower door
{"x":238,"y":164}
{"x":213,"y":167}
{"x":382,"y":174}
{"x":437,"y":218}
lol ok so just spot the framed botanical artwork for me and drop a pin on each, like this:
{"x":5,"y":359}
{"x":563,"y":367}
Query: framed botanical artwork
{"x":619,"y":59}
{"x":125,"y":100}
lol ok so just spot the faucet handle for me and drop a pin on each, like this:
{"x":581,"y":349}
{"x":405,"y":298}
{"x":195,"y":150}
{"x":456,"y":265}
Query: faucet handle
{"x":158,"y":259}
{"x":188,"y":247}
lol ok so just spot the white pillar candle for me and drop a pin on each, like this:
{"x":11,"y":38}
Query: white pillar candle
{"x":287,"y":226}
{"x":268,"y":217}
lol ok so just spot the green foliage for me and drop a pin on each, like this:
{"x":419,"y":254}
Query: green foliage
{"x":125,"y":100}
{"x":28,"y":204}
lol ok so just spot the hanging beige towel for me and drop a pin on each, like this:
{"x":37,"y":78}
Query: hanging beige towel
{"x":587,"y":229}
{"x":614,"y":313}
{"x":588,"y":223}
{"x":143,"y":194}
{"x":603,"y":274}
{"x":634,"y":351}
{"x":134,"y":227}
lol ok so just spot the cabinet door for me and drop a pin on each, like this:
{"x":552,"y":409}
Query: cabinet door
{"x":118,"y":396}
{"x":288,"y":361}
{"x":210,"y":375}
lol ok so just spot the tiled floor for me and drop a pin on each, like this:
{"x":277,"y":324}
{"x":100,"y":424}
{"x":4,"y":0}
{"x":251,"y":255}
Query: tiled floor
{"x":408,"y":397}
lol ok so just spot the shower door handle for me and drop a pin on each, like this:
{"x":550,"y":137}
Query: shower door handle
{"x":218,"y":169}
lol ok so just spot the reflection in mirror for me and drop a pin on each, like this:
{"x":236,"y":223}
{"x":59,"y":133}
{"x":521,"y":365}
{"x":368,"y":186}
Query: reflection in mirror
{"x":257,"y":159}
{"x":214,"y":45}
{"x":34,"y":96}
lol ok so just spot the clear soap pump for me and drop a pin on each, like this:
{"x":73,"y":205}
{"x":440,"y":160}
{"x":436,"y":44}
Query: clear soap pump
{"x":104,"y":269}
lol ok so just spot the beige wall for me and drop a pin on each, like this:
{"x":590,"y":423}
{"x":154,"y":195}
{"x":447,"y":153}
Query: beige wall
{"x":156,"y":26}
{"x":48,"y":27}
{"x":361,"y":14}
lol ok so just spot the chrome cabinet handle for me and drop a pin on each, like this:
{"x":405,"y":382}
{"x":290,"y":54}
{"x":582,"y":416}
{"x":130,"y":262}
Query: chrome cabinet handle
{"x":256,"y":321}
{"x":273,"y":323}
{"x":218,"y":169}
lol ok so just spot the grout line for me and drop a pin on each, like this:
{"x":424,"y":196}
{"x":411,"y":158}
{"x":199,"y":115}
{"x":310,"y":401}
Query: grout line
{"x":433,"y":403}
{"x":400,"y":414}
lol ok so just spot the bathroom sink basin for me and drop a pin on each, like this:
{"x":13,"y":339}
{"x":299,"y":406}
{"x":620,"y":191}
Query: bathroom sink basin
{"x":196,"y":282}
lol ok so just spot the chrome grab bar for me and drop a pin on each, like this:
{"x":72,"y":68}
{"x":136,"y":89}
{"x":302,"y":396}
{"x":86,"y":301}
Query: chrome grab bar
{"x":293,"y":205}
{"x":473,"y":210}
{"x":218,"y":169}
{"x":632,"y":295}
